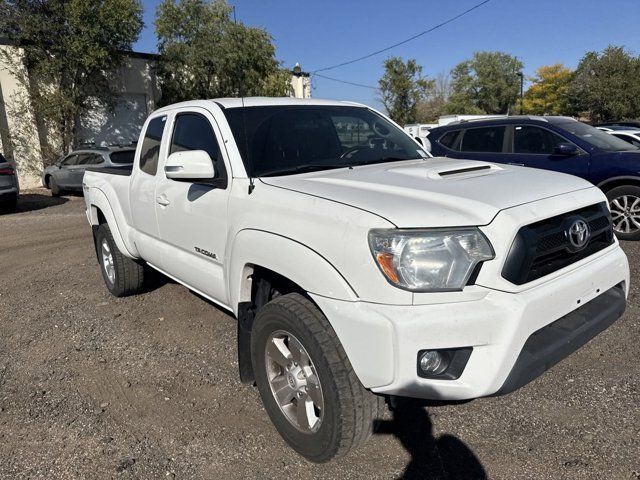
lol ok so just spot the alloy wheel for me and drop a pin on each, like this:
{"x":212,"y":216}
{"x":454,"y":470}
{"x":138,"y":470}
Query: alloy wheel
{"x":625,"y":213}
{"x":107,"y":261}
{"x":294,"y":382}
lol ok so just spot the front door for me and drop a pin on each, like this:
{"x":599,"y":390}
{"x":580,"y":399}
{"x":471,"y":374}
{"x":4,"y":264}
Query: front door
{"x":192,"y":217}
{"x":63,"y":174}
{"x":534,"y":147}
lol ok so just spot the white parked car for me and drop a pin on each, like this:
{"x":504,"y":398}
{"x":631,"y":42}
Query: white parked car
{"x":629,"y":136}
{"x":358,"y":266}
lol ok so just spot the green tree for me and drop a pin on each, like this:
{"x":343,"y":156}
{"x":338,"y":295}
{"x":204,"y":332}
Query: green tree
{"x":487,"y":83}
{"x":606,"y":85}
{"x":69,"y":52}
{"x":205,"y":54}
{"x":549,"y":93}
{"x":402,"y":87}
{"x":434,"y":105}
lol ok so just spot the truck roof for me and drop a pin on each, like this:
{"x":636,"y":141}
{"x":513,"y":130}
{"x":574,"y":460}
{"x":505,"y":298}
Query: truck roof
{"x":258,"y":102}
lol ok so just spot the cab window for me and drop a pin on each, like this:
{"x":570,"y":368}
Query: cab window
{"x":193,"y":131}
{"x":150,"y":151}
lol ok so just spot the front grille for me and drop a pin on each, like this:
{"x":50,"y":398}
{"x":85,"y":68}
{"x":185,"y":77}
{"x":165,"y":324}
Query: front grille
{"x":543,"y":247}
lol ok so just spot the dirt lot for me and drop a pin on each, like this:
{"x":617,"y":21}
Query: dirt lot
{"x":146,"y":387}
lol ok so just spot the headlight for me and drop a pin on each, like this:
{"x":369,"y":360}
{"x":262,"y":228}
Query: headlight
{"x":429,"y":260}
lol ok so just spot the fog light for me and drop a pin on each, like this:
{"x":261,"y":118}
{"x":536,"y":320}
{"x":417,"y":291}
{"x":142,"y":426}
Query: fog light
{"x":433,"y":362}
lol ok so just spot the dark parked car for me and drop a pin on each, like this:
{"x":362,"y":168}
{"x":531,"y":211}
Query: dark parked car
{"x":561,"y":144}
{"x":67,"y":174}
{"x":9,"y":187}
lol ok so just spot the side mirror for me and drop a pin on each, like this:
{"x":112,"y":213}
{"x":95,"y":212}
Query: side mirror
{"x":191,"y":165}
{"x":567,"y":149}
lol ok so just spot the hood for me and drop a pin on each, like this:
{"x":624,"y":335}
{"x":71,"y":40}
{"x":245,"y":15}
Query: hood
{"x":435,"y":192}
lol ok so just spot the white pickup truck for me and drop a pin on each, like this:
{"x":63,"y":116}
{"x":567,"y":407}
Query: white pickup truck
{"x":358,"y":266}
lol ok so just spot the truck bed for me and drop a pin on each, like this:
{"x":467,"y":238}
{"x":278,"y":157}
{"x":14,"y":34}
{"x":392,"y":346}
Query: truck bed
{"x":124,"y":170}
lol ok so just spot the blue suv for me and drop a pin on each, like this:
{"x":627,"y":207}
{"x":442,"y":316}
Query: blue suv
{"x":561,"y":144}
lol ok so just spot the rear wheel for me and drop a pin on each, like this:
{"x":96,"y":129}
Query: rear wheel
{"x":9,"y":206}
{"x":122,"y":275}
{"x":55,"y":189}
{"x":306,"y":381}
{"x":624,"y":203}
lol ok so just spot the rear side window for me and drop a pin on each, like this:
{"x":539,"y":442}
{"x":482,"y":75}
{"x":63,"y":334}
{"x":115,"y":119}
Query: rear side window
{"x":192,"y":131}
{"x":486,"y":139}
{"x":123,"y":157}
{"x":151,"y":145}
{"x":529,"y":139}
{"x":89,"y":159}
{"x":448,"y":140}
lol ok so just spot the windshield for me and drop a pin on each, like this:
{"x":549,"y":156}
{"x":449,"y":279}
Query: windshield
{"x":597,"y":138}
{"x":280,"y":140}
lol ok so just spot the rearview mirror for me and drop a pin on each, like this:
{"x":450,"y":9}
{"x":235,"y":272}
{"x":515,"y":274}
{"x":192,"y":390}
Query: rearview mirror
{"x":567,"y":149}
{"x":190,"y":165}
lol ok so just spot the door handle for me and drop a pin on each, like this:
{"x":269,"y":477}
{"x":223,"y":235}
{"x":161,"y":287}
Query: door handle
{"x":162,"y":200}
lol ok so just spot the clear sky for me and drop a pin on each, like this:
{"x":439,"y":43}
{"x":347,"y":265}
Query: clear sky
{"x":325,"y":32}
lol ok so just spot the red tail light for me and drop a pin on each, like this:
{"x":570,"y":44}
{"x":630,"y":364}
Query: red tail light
{"x":6,"y":170}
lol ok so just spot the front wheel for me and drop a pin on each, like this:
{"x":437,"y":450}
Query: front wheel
{"x":624,"y":203}
{"x":307,"y":384}
{"x":55,"y":189}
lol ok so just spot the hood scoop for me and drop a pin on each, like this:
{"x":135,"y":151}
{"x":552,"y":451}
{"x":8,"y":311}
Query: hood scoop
{"x":458,"y":171}
{"x":452,"y":170}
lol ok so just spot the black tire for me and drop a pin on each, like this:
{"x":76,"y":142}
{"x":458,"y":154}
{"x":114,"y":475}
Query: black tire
{"x":129,"y":274}
{"x":55,"y":189}
{"x":350,"y":411}
{"x":616,"y":197}
{"x":9,"y":207}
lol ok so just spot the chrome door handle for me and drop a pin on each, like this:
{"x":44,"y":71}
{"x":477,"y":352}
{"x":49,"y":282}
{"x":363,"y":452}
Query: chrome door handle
{"x":162,"y":200}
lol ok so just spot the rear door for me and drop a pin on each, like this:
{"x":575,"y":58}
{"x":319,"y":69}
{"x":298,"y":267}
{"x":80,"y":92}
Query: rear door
{"x":76,"y":172}
{"x":533,"y":146}
{"x":142,"y":194}
{"x":480,"y":143}
{"x":192,"y":217}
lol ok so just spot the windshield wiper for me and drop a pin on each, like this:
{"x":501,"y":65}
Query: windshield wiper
{"x":301,"y":169}
{"x":381,"y":160}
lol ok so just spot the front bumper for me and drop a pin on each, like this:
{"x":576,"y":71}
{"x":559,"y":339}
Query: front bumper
{"x":382,"y":341}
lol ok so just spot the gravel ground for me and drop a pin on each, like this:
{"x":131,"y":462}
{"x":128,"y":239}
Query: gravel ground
{"x":146,"y":387}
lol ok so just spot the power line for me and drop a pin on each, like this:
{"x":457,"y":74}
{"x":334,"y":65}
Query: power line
{"x":345,"y":81}
{"x":377,"y":52}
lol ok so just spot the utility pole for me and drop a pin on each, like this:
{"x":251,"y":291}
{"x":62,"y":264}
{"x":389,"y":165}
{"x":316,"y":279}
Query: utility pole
{"x":521,"y":75}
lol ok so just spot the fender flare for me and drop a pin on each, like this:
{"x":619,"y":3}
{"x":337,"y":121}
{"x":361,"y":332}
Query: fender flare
{"x":100,"y":202}
{"x":287,"y":257}
{"x":604,"y":183}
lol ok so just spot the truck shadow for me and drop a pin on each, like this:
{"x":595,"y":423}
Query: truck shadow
{"x":445,"y":457}
{"x":29,"y":202}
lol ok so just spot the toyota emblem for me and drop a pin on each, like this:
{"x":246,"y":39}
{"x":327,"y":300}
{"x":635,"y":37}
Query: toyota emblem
{"x":578,"y":234}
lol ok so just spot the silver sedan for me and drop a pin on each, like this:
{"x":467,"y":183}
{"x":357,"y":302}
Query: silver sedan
{"x":67,"y":174}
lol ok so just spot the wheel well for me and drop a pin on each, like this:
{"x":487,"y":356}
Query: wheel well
{"x":46,"y":179}
{"x":619,"y":182}
{"x":265,"y":285}
{"x":101,"y":218}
